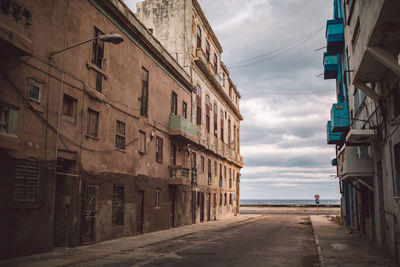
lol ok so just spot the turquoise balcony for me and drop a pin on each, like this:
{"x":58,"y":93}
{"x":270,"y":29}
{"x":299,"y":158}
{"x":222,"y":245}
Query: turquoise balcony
{"x":332,"y":138}
{"x":340,"y":117}
{"x":335,"y":36}
{"x":181,"y":127}
{"x":330,"y":66}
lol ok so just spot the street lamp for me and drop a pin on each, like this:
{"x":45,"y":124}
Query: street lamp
{"x":113,"y":38}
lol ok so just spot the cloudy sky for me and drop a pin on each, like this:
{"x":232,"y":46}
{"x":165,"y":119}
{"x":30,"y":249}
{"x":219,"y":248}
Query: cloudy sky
{"x":269,"y":49}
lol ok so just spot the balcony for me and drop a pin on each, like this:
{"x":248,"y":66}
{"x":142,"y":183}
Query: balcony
{"x":182,"y":128}
{"x":340,"y":117}
{"x":330,"y":66}
{"x":354,"y":162}
{"x":332,"y":138}
{"x":178,"y":175}
{"x":360,"y":137}
{"x":335,"y":36}
{"x":15,"y":29}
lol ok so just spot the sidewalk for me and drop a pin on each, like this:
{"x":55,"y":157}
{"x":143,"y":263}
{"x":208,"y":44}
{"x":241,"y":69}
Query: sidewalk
{"x":76,"y":255}
{"x":338,"y":248}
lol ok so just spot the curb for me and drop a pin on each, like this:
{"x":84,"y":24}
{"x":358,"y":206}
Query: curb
{"x":319,"y":250}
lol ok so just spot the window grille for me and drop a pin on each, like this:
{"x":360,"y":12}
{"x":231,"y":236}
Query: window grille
{"x":25,"y":185}
{"x":118,"y":205}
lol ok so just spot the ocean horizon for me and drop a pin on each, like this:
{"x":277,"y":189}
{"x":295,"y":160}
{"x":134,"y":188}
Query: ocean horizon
{"x":288,"y":201}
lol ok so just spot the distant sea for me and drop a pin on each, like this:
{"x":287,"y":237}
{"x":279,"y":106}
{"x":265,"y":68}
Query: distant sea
{"x":288,"y":201}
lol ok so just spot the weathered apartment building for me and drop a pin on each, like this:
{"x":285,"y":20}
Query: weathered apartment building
{"x":363,"y":55}
{"x":100,"y":140}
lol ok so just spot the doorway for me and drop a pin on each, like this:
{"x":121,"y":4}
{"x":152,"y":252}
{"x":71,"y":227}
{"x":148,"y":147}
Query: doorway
{"x":89,"y":203}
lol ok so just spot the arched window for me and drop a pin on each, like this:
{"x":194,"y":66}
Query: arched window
{"x":215,"y":120}
{"x":207,"y":113}
{"x":222,"y":126}
{"x":229,"y":133}
{"x":198,"y":102}
{"x":198,"y":31}
{"x":208,"y":49}
{"x":215,"y":63}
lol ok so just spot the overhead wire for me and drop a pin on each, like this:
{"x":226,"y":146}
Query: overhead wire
{"x":274,"y":53}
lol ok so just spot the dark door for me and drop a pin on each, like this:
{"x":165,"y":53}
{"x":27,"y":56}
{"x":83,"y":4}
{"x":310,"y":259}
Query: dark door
{"x":88,"y":214}
{"x":193,"y":207}
{"x":201,"y":207}
{"x":172,"y":208}
{"x":140,"y":213}
{"x":208,"y":206}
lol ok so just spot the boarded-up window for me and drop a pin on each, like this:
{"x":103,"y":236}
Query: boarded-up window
{"x":8,"y":119}
{"x":159,"y":149}
{"x":25,"y":185}
{"x":93,"y":123}
{"x":145,"y":93}
{"x":157,"y":198}
{"x":118,"y":205}
{"x":120,"y":135}
{"x":69,"y":108}
{"x":142,"y":142}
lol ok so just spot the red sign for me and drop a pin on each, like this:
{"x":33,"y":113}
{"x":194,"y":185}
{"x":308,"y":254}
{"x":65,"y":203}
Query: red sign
{"x":316,"y":196}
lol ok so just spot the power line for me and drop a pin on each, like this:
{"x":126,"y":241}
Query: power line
{"x":273,"y":53}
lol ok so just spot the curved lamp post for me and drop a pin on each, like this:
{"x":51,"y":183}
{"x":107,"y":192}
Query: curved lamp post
{"x":113,"y":38}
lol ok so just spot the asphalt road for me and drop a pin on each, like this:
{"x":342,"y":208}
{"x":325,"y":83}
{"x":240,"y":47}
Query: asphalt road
{"x":269,"y":240}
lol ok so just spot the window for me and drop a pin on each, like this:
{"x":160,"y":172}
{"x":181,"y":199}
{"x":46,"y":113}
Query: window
{"x":145,"y":93}
{"x":207,"y":113}
{"x":230,"y":92}
{"x":8,"y":119}
{"x":215,"y":63}
{"x":33,"y":91}
{"x":238,"y":140}
{"x":194,"y":164}
{"x":215,"y":168}
{"x":215,"y":120}
{"x":173,"y":154}
{"x":93,"y":123}
{"x":186,"y":158}
{"x":229,"y":133}
{"x":69,"y":108}
{"x":356,"y":100}
{"x":356,"y":33}
{"x":98,"y":58}
{"x":209,"y":171}
{"x":220,"y":199}
{"x":208,"y":50}
{"x":174,"y":104}
{"x":198,"y":101}
{"x":198,"y":33}
{"x":142,"y":142}
{"x":215,"y":199}
{"x":230,"y":199}
{"x":225,"y":197}
{"x":350,"y":6}
{"x":363,"y":152}
{"x":120,"y":135}
{"x":25,"y":184}
{"x":395,"y":92}
{"x":202,"y":164}
{"x":225,"y":171}
{"x":222,"y":126}
{"x":159,"y":149}
{"x":98,"y":49}
{"x":397,"y":167}
{"x":223,"y":79}
{"x":118,"y":205}
{"x":184,"y":109}
{"x":158,"y":198}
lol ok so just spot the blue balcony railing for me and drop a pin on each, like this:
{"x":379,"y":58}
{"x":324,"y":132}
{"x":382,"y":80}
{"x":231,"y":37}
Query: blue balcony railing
{"x":340,"y":117}
{"x":332,"y":138}
{"x":335,"y":36}
{"x":330,"y":66}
